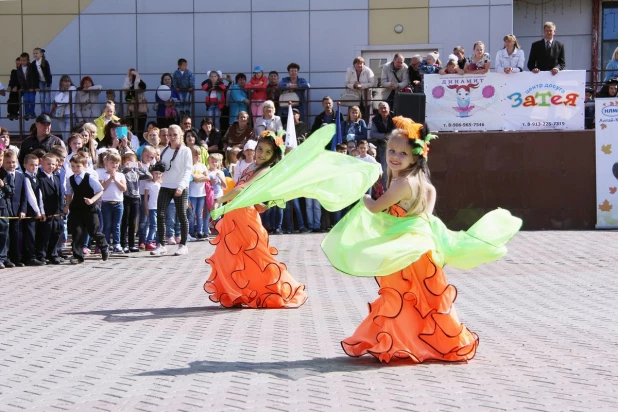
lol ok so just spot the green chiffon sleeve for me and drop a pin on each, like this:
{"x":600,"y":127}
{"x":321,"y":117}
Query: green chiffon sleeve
{"x":378,"y":244}
{"x":334,"y":179}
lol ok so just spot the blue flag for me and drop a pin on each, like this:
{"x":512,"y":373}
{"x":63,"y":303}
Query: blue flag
{"x":337,"y":138}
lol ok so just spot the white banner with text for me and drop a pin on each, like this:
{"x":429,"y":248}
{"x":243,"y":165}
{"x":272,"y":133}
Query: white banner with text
{"x":606,"y":118}
{"x":496,"y":101}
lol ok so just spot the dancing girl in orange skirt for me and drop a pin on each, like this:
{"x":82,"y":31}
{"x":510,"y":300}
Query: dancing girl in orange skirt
{"x":396,"y":239}
{"x":245,"y":272}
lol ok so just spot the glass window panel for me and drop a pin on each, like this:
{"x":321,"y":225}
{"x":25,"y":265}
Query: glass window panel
{"x":610,"y":23}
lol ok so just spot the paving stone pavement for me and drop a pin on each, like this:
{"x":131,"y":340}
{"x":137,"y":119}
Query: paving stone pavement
{"x":139,"y":333}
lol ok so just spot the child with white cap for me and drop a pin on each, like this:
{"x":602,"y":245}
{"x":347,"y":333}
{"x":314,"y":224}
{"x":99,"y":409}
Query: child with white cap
{"x":246,"y":158}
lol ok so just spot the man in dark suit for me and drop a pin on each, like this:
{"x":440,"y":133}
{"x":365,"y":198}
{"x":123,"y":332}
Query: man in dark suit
{"x":17,"y":206}
{"x":547,"y":54}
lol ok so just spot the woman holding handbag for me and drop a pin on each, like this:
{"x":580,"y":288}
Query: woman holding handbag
{"x":359,"y":79}
{"x":62,"y":109}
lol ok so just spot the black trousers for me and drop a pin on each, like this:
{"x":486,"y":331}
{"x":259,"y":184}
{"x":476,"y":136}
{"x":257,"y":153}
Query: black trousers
{"x":85,"y":223}
{"x":14,"y":238}
{"x":48,"y":235}
{"x":28,"y":229}
{"x":163,"y":201}
{"x":4,"y":235}
{"x":12,"y":104}
{"x":129,"y":216}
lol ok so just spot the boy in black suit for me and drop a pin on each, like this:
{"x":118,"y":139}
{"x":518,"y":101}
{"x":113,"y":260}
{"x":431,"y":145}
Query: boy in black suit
{"x":5,"y":200}
{"x":17,"y":206}
{"x":34,"y":210}
{"x":547,"y":54}
{"x":82,"y":193}
{"x":49,"y":228}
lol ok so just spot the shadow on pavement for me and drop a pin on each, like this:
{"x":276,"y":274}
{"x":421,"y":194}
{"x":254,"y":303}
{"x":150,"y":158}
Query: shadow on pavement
{"x":290,"y":370}
{"x":133,"y":315}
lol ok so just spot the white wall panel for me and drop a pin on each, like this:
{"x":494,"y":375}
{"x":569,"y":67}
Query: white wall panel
{"x":157,"y":53}
{"x":110,"y":7}
{"x":457,"y":3}
{"x":570,"y":21}
{"x":280,"y":5}
{"x":339,"y":4}
{"x":581,"y":61}
{"x":215,"y":6}
{"x":499,"y":2}
{"x":65,"y":51}
{"x":500,"y":24}
{"x":162,"y":6}
{"x":334,"y":51}
{"x":105,"y":51}
{"x":277,"y":45}
{"x":457,"y":20}
{"x":223,"y":41}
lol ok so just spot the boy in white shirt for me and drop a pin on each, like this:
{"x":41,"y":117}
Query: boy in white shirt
{"x":197,"y":198}
{"x":151,"y":194}
{"x":114,"y":184}
{"x":363,"y":148}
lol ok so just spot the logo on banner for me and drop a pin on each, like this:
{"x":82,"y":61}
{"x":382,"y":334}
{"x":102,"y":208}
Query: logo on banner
{"x":553,"y":95}
{"x":610,"y":111}
{"x":464,"y":93}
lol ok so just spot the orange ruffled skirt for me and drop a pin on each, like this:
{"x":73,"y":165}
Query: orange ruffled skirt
{"x":414,"y":318}
{"x":244,"y":271}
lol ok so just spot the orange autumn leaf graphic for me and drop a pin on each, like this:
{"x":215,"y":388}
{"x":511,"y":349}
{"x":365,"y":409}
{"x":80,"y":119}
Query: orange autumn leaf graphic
{"x":612,"y":190}
{"x":603,"y":126}
{"x":605,"y":206}
{"x":607,"y":149}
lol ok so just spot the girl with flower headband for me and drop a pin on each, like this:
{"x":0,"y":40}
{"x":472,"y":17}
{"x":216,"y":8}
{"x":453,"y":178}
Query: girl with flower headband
{"x":397,"y":240}
{"x":245,"y":272}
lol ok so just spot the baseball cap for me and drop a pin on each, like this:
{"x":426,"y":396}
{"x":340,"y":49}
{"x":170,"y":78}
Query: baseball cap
{"x":257,"y":69}
{"x":296,"y":111}
{"x":250,"y":145}
{"x":43,"y":118}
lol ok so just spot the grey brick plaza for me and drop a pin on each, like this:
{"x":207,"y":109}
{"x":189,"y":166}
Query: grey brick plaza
{"x":139,"y":333}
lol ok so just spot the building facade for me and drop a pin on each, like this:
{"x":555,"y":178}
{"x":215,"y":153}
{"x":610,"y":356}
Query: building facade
{"x":104,"y":38}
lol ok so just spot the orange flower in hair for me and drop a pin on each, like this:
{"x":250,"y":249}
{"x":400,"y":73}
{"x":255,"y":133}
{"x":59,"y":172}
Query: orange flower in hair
{"x":409,"y":126}
{"x":279,"y":141}
{"x":267,"y":133}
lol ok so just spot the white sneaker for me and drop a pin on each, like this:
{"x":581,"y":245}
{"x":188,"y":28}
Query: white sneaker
{"x":182,"y":250}
{"x":191,"y":238}
{"x":159,"y":251}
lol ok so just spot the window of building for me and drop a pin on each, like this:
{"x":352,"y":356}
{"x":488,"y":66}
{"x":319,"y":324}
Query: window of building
{"x":609,"y":40}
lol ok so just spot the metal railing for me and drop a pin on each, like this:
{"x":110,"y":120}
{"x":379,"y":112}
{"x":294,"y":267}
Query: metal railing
{"x":197,"y":101}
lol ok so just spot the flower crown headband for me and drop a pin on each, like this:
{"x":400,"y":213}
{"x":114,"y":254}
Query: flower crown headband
{"x":412,"y":131}
{"x":276,"y":137}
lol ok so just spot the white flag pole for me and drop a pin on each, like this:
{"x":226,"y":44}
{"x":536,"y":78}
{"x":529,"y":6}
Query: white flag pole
{"x":290,"y":129}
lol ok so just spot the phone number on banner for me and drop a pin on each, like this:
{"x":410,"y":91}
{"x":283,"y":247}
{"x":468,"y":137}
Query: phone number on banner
{"x":463,"y":124}
{"x":542,"y":124}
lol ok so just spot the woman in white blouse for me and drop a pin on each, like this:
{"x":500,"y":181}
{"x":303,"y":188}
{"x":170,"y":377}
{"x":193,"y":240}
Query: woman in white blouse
{"x":268,"y":120}
{"x":511,"y":58}
{"x":63,"y":107}
{"x":359,"y":79}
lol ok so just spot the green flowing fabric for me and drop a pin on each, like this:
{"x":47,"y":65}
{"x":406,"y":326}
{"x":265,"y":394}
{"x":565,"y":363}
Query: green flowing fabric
{"x":334,"y":179}
{"x":379,"y":244}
